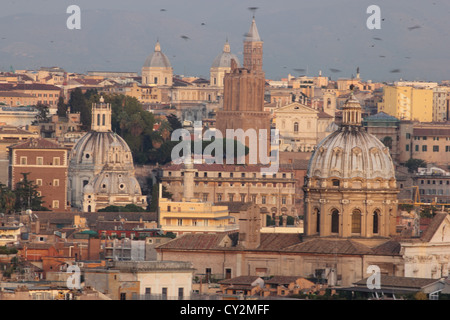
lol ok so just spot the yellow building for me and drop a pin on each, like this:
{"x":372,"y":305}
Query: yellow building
{"x":408,"y":103}
{"x":194,"y":217}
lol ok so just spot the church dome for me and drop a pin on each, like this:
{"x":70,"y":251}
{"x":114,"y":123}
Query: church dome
{"x":116,"y":182}
{"x":350,"y":152}
{"x":223,"y":60}
{"x":157,"y":59}
{"x":93,"y":149}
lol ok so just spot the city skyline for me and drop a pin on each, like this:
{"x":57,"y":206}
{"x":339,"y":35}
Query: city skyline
{"x":324,"y":36}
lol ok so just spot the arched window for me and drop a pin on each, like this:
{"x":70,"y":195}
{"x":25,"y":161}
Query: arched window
{"x":375,"y":222}
{"x":103,"y":119}
{"x":295,"y":126}
{"x":89,"y":209}
{"x":317,"y":211}
{"x":356,"y":221}
{"x":335,"y":221}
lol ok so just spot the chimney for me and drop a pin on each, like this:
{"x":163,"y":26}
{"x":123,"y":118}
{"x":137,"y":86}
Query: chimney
{"x":250,"y":227}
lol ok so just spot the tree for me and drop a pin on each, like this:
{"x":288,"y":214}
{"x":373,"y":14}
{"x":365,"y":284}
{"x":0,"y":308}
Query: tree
{"x":387,"y":141}
{"x":79,"y":104}
{"x":27,"y":196}
{"x":43,"y":113}
{"x":62,"y":108}
{"x":154,"y":204}
{"x":414,"y":164}
{"x":174,"y":122}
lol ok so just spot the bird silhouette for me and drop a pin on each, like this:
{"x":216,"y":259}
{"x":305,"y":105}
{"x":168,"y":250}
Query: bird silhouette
{"x":376,"y":38}
{"x":335,"y":70}
{"x":184,"y":37}
{"x":163,"y":10}
{"x":395,"y":70}
{"x":414,"y":27}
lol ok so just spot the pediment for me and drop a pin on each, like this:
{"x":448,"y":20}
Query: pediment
{"x":297,"y":108}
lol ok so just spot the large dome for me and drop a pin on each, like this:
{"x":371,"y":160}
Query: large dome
{"x":93,"y":149}
{"x":350,"y":152}
{"x":223,"y":60}
{"x":157,"y":59}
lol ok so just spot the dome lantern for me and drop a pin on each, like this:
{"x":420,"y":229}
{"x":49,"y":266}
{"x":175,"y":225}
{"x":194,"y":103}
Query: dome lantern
{"x":351,"y":112}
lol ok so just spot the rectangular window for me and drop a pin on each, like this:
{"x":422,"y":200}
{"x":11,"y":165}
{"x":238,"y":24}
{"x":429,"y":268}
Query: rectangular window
{"x":435,"y":148}
{"x":39,"y":161}
{"x":23,"y":160}
{"x":56,"y":161}
{"x":56,"y":182}
{"x":55,"y":204}
{"x":407,"y":147}
{"x":424,"y":148}
{"x":39,"y":182}
{"x":417,"y":148}
{"x":164,"y":293}
{"x":263,"y":199}
{"x":180,"y":293}
{"x":123,"y":296}
{"x":219,"y":197}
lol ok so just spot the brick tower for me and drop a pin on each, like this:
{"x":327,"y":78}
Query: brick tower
{"x":243,"y":105}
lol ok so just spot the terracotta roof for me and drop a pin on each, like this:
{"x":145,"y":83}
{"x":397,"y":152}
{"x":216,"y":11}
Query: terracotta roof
{"x":197,"y":241}
{"x":235,"y":206}
{"x":282,"y":280}
{"x":35,"y":86}
{"x":241,"y":280}
{"x":37,"y":143}
{"x":431,"y":132}
{"x":277,"y":241}
{"x":328,"y":246}
{"x":400,"y":282}
{"x":433,"y":226}
{"x":391,"y":247}
{"x":13,"y":130}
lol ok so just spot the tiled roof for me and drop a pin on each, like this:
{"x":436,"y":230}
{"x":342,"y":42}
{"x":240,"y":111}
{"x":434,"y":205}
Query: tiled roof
{"x":328,"y":246}
{"x":35,"y":86}
{"x":433,"y":226}
{"x":391,"y":247}
{"x":431,"y":132}
{"x":241,"y":280}
{"x":235,"y":206}
{"x":282,"y":280}
{"x":37,"y":143}
{"x":381,"y":116}
{"x":195,"y":241}
{"x":401,"y":282}
{"x":13,"y":130}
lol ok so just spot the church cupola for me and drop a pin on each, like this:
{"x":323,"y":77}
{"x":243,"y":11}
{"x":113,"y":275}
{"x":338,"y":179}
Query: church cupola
{"x":351,"y":112}
{"x":101,"y":116}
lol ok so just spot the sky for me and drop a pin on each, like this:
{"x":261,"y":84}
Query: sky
{"x":413,"y":42}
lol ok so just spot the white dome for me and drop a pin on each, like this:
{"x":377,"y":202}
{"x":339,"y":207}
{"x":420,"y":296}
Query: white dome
{"x":93,"y":147}
{"x":349,"y":153}
{"x":157,"y":59}
{"x":223,"y":60}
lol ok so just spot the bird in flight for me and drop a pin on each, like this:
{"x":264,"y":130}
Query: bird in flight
{"x":334,"y":70}
{"x":163,"y":10}
{"x":413,"y":27}
{"x":184,"y":37}
{"x":395,"y":71}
